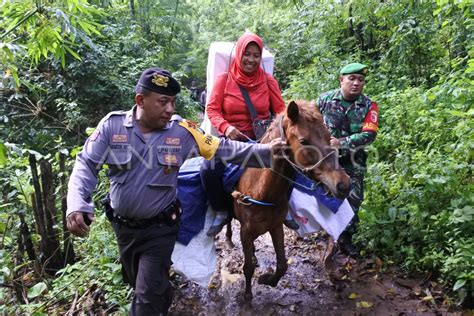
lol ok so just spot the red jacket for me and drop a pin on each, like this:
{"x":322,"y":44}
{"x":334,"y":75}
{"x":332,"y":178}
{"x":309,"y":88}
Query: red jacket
{"x":227,"y":106}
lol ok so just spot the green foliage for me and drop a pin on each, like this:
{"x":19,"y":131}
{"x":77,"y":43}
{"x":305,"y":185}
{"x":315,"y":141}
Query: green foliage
{"x":16,"y":191}
{"x":38,"y":29}
{"x":420,"y":178}
{"x":422,"y":181}
{"x":69,"y":99}
{"x":98,"y":270}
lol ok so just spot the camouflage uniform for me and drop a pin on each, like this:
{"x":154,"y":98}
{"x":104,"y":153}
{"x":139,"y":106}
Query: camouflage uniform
{"x":354,"y":124}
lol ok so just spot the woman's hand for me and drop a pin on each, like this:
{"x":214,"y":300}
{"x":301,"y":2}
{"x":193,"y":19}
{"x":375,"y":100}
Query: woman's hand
{"x":233,"y":133}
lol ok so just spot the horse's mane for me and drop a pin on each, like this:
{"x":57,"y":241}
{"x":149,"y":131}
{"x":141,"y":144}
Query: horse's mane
{"x":307,"y":111}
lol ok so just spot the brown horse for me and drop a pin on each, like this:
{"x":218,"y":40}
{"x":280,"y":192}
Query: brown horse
{"x":308,"y":152}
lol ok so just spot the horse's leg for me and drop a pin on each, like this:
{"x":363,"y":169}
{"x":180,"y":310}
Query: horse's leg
{"x":229,"y":205}
{"x":279,"y":245}
{"x":249,"y":266}
{"x":228,"y":237}
{"x":254,"y":257}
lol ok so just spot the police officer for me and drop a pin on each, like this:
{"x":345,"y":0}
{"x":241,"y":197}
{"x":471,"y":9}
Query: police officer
{"x":352,"y":119}
{"x":144,"y":148}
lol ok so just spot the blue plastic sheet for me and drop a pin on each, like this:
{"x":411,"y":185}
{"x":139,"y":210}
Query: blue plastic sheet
{"x":308,"y":186}
{"x":193,"y":204}
{"x":194,"y":200}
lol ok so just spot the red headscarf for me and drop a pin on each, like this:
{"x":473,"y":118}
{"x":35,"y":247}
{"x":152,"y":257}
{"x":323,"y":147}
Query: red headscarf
{"x":258,"y":76}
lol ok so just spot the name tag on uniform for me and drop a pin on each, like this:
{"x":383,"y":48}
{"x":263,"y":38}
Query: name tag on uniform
{"x":169,"y":149}
{"x":119,"y":146}
{"x":118,"y":138}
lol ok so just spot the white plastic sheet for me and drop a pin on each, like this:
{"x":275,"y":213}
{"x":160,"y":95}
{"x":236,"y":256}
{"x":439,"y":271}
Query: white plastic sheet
{"x":197,"y":261}
{"x":312,"y":215}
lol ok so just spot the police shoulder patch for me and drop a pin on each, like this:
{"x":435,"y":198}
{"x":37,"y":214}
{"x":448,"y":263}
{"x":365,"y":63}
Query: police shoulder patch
{"x":207,"y":144}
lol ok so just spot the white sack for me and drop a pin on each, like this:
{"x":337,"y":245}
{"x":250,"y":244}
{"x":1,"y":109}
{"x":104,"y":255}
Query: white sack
{"x":197,"y":261}
{"x":312,"y":215}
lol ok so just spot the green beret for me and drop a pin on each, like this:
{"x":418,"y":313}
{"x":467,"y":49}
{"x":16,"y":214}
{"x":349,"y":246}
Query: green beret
{"x":354,"y":68}
{"x":158,"y":80}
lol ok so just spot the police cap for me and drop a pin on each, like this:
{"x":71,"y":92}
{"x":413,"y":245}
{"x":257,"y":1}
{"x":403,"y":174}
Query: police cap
{"x":158,"y":80}
{"x":354,"y":68}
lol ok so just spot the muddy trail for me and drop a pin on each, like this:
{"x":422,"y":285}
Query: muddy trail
{"x":347,"y":287}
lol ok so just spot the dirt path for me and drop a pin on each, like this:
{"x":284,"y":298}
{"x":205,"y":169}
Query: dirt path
{"x":352,"y":287}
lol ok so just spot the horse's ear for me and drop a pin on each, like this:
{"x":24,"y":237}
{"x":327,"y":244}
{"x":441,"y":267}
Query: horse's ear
{"x":293,"y":111}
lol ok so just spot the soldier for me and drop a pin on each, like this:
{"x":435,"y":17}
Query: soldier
{"x":352,"y":119}
{"x":144,"y":148}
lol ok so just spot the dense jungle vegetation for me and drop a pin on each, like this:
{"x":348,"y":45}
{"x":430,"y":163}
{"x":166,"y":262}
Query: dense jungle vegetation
{"x":66,"y":63}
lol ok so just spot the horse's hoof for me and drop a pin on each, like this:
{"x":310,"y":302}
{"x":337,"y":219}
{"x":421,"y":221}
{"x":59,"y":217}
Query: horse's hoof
{"x":248,"y":297}
{"x":267,"y":279}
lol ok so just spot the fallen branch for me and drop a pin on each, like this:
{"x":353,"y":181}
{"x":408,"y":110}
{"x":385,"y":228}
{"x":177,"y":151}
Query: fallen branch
{"x":73,"y":306}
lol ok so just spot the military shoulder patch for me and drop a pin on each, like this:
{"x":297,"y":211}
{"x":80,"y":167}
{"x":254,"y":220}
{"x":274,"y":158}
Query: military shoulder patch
{"x":371,"y":121}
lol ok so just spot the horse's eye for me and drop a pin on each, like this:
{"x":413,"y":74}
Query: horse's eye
{"x":304,"y":142}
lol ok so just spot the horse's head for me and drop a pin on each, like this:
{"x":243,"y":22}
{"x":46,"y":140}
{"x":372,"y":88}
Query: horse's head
{"x":311,"y":153}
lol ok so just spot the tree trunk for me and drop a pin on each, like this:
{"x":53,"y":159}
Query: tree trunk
{"x":68,"y":250}
{"x":174,"y":23}
{"x":360,"y":36}
{"x":25,"y":237}
{"x":132,"y":7}
{"x":47,"y":185}
{"x":44,"y":208}
{"x":36,"y":198}
{"x":350,"y":25}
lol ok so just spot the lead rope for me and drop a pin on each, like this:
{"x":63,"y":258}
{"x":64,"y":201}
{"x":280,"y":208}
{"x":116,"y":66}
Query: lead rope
{"x":247,"y":200}
{"x":295,"y":166}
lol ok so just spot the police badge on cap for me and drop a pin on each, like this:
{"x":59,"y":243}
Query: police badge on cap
{"x":158,"y":80}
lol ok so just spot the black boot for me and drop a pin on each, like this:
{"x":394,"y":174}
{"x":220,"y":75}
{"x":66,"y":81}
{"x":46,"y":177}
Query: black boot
{"x":291,"y":224}
{"x":221,"y":219}
{"x":346,"y":245}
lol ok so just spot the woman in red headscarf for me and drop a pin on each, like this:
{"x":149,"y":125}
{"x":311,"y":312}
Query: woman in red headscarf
{"x":229,"y":114}
{"x":226,"y":108}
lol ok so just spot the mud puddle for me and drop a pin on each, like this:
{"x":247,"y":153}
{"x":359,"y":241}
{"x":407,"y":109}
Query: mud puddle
{"x":347,"y":287}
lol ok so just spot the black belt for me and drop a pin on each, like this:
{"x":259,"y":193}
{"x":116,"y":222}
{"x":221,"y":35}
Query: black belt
{"x":169,"y":216}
